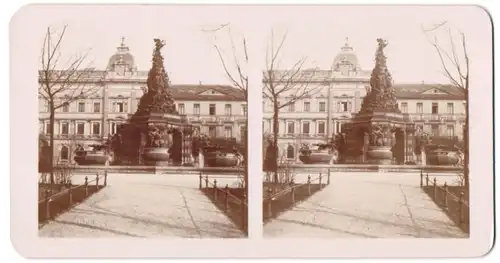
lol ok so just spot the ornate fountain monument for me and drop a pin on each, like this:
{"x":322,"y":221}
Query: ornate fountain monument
{"x":156,"y":134}
{"x":378,"y":133}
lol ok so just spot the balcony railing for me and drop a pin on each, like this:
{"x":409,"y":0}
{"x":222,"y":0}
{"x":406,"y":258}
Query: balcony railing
{"x":303,"y":135}
{"x":215,"y":118}
{"x":436,"y":117}
{"x":75,"y":136}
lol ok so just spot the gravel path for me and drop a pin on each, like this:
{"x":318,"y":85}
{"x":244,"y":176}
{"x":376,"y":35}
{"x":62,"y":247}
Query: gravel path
{"x":145,"y":205}
{"x":367,"y":205}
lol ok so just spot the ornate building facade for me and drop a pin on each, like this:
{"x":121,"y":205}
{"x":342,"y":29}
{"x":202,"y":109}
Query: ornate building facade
{"x":217,"y":110}
{"x":337,"y":94}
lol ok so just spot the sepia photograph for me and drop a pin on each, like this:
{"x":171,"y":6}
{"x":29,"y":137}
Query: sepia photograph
{"x":134,"y":141}
{"x":366,"y":122}
{"x":234,"y":130}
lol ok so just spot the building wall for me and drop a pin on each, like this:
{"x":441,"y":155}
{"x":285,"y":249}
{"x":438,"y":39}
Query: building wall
{"x":91,"y":120}
{"x":337,"y":102}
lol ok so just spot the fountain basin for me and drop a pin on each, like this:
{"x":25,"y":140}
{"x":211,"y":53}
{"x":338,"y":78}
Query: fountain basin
{"x":156,"y":156}
{"x":316,"y":157}
{"x":379,"y":154}
{"x":442,"y":157}
{"x":220,"y":159}
{"x":92,"y":158}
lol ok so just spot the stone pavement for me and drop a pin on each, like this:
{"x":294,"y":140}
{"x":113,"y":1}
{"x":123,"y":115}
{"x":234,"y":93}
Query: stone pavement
{"x":367,"y":205}
{"x":145,"y":205}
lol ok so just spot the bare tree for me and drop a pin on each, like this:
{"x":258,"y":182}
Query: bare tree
{"x":284,"y":87}
{"x":61,"y":83}
{"x":237,"y":63}
{"x":235,"y":66}
{"x":455,"y":64}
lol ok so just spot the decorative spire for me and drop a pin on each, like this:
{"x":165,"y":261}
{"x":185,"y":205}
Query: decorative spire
{"x":122,"y":48}
{"x":346,"y":47}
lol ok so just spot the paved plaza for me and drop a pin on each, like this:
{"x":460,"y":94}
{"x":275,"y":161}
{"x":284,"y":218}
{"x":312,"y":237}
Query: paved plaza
{"x":145,"y":205}
{"x":367,"y":205}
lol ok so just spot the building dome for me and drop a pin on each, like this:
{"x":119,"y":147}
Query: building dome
{"x":346,"y":56}
{"x":121,"y":57}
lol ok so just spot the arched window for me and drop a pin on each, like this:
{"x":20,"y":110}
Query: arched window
{"x":64,"y":153}
{"x":290,"y":152}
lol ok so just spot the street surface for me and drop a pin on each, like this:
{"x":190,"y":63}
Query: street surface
{"x":145,"y":205}
{"x":367,"y":205}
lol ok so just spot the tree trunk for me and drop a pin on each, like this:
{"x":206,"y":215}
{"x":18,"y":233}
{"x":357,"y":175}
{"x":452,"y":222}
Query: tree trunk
{"x":466,"y":141}
{"x":275,"y":139}
{"x":51,"y":139}
{"x":245,"y":162}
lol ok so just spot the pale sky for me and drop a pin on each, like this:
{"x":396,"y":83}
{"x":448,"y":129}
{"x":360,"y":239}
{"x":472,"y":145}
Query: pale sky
{"x":317,"y":32}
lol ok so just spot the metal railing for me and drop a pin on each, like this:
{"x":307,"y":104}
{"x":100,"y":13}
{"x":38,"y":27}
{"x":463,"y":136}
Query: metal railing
{"x":49,"y":199}
{"x":204,"y":183}
{"x":447,"y":198}
{"x":291,"y":189}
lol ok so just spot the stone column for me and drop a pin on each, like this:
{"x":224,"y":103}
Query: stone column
{"x":329,"y":107}
{"x":405,"y":152}
{"x":105,"y":108}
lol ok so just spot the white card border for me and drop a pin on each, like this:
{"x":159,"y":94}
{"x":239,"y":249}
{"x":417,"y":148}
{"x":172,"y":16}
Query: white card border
{"x":24,"y":230}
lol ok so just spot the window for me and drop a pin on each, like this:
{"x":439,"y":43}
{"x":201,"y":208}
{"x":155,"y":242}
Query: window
{"x":65,"y":107}
{"x":97,"y":107}
{"x":321,"y":127}
{"x":181,"y":108}
{"x":434,"y":108}
{"x":291,"y":107}
{"x":81,"y":106}
{"x":196,"y":109}
{"x":343,"y":106}
{"x":450,"y":108}
{"x":435,"y":130}
{"x":243,"y":132}
{"x":212,"y":132}
{"x":404,"y":107}
{"x":47,"y":128}
{"x":290,"y":152}
{"x":420,"y":107}
{"x":322,"y":106}
{"x":307,"y":106}
{"x":211,"y":109}
{"x":305,"y":128}
{"x":80,"y":128}
{"x":244,"y":109}
{"x":45,"y":106}
{"x":113,"y":128}
{"x":64,"y":128}
{"x":228,"y":132}
{"x":64,"y":153}
{"x":291,"y":127}
{"x":120,"y":107}
{"x":228,"y":110}
{"x":96,"y":128}
{"x":263,"y":106}
{"x":450,"y":131}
